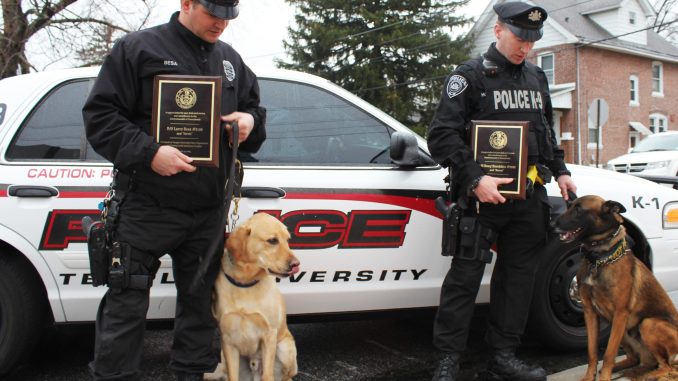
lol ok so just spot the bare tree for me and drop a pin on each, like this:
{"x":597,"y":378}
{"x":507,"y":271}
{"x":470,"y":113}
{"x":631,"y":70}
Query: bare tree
{"x":666,"y":20}
{"x":64,"y":29}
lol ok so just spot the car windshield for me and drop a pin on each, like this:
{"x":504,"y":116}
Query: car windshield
{"x":658,"y":143}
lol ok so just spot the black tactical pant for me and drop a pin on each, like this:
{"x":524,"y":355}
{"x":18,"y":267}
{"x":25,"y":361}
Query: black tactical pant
{"x":153,"y":231}
{"x":521,"y":228}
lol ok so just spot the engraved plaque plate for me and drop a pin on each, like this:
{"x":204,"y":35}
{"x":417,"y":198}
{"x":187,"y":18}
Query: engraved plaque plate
{"x":186,"y":115}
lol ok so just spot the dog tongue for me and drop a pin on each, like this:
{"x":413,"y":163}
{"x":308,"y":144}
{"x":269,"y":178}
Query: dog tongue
{"x":295,"y":269}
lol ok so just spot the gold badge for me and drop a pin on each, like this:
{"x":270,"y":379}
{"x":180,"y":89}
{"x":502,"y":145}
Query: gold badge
{"x":186,"y":98}
{"x":534,"y":15}
{"x":498,"y":139}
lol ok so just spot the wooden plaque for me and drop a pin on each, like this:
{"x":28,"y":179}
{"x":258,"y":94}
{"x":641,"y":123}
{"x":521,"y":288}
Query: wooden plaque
{"x":187,"y":115}
{"x":500,"y":148}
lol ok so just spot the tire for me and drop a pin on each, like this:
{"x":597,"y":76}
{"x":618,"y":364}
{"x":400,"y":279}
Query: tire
{"x":556,"y":315}
{"x":23,"y":311}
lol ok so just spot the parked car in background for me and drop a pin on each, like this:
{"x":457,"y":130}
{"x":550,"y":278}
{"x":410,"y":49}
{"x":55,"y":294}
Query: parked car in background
{"x":656,"y":155}
{"x":356,"y":189}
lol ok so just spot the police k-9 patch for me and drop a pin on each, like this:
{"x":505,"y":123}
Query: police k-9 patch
{"x":456,"y":85}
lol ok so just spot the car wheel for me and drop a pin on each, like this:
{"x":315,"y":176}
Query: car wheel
{"x":23,"y":311}
{"x":556,"y":315}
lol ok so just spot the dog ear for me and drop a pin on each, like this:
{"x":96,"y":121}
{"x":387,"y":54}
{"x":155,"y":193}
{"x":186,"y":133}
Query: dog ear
{"x":614,"y":207}
{"x":237,"y":241}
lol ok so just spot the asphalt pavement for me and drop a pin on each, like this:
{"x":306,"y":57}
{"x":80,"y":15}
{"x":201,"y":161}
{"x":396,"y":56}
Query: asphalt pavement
{"x":374,"y":349}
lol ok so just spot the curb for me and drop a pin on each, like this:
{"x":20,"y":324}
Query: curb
{"x":576,"y":373}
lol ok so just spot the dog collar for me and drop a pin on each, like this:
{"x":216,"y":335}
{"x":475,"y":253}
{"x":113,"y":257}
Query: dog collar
{"x":238,"y":284}
{"x":596,"y":261}
{"x":596,"y":243}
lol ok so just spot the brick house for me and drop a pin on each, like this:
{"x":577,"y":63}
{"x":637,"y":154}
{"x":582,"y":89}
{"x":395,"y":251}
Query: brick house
{"x":601,"y":49}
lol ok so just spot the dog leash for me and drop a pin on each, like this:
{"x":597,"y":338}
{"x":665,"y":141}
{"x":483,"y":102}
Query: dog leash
{"x":234,"y":178}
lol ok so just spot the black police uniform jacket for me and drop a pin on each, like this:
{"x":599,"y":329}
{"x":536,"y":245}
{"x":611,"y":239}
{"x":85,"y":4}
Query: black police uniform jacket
{"x":516,"y":92}
{"x":117,"y":113}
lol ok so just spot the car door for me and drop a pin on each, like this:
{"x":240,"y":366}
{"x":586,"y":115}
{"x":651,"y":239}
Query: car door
{"x":365,"y":230}
{"x":52,"y":178}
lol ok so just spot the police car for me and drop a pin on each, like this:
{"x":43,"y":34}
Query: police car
{"x":355,"y":188}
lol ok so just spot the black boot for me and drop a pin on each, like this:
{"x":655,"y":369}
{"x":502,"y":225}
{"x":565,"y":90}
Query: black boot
{"x":505,"y":366}
{"x":183,"y":376}
{"x":448,"y":368}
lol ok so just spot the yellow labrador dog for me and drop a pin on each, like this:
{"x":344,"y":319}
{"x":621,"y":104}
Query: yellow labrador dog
{"x":248,"y":306}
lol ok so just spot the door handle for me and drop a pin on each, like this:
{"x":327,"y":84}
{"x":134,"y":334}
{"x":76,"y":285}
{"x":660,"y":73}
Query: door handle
{"x":32,"y":191}
{"x":262,"y":192}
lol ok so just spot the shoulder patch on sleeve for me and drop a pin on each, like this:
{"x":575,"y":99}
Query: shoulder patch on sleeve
{"x":456,"y":85}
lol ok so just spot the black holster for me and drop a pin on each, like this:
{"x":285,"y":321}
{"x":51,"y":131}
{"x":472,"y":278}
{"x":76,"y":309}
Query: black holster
{"x":109,"y":259}
{"x":451,"y":216}
{"x":99,"y":252}
{"x":118,"y":268}
{"x":475,"y":240}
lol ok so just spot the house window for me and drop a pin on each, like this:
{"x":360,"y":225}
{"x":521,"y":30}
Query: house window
{"x":633,"y":140}
{"x":594,"y":137}
{"x":547,"y":64}
{"x":633,"y":100}
{"x":658,"y":123}
{"x":657,"y":78}
{"x":632,"y":18}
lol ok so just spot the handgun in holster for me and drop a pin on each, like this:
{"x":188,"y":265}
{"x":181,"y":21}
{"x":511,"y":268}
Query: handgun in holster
{"x":537,"y":174}
{"x":108,"y":259}
{"x":451,"y":216}
{"x":98,"y":249}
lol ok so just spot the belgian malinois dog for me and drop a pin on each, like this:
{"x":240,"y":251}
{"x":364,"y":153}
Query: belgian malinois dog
{"x":615,"y":285}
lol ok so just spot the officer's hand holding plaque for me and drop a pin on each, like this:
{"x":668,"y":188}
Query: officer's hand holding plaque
{"x":186,"y":115}
{"x":500,"y":148}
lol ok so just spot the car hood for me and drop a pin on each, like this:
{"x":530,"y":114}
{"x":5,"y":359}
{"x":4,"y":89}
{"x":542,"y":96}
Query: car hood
{"x":645,"y":157}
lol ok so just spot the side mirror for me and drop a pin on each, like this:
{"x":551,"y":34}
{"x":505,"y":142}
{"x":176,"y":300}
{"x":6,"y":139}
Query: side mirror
{"x":405,"y":150}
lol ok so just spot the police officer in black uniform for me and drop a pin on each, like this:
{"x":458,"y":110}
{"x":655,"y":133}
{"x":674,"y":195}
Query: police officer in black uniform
{"x":167,"y":205}
{"x":499,"y":85}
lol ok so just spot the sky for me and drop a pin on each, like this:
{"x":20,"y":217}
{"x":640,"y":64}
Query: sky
{"x":259,"y":30}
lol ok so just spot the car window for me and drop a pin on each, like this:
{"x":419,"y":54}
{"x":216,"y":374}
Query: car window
{"x":311,"y":126}
{"x":659,"y":142}
{"x":54,"y":130}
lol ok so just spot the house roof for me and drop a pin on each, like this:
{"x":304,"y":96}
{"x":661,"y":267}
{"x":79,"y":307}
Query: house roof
{"x":573,"y":17}
{"x":592,"y":6}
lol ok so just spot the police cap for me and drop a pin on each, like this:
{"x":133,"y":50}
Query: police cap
{"x":223,"y":9}
{"x":524,"y":20}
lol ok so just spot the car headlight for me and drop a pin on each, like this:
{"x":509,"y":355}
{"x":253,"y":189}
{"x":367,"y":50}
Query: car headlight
{"x":670,"y":216}
{"x":658,"y":164}
{"x":609,"y":167}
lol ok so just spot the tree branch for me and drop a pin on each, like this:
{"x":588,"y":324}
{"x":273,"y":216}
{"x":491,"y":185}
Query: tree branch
{"x":76,"y":21}
{"x":45,"y":16}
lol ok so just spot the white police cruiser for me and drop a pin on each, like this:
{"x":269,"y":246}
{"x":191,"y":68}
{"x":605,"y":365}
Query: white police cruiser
{"x":354,"y":186}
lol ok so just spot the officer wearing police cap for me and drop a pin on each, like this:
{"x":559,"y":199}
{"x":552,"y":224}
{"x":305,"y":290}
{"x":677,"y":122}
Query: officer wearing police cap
{"x":524,"y":20}
{"x":481,"y":89}
{"x":223,"y":9}
{"x":168,"y":205}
